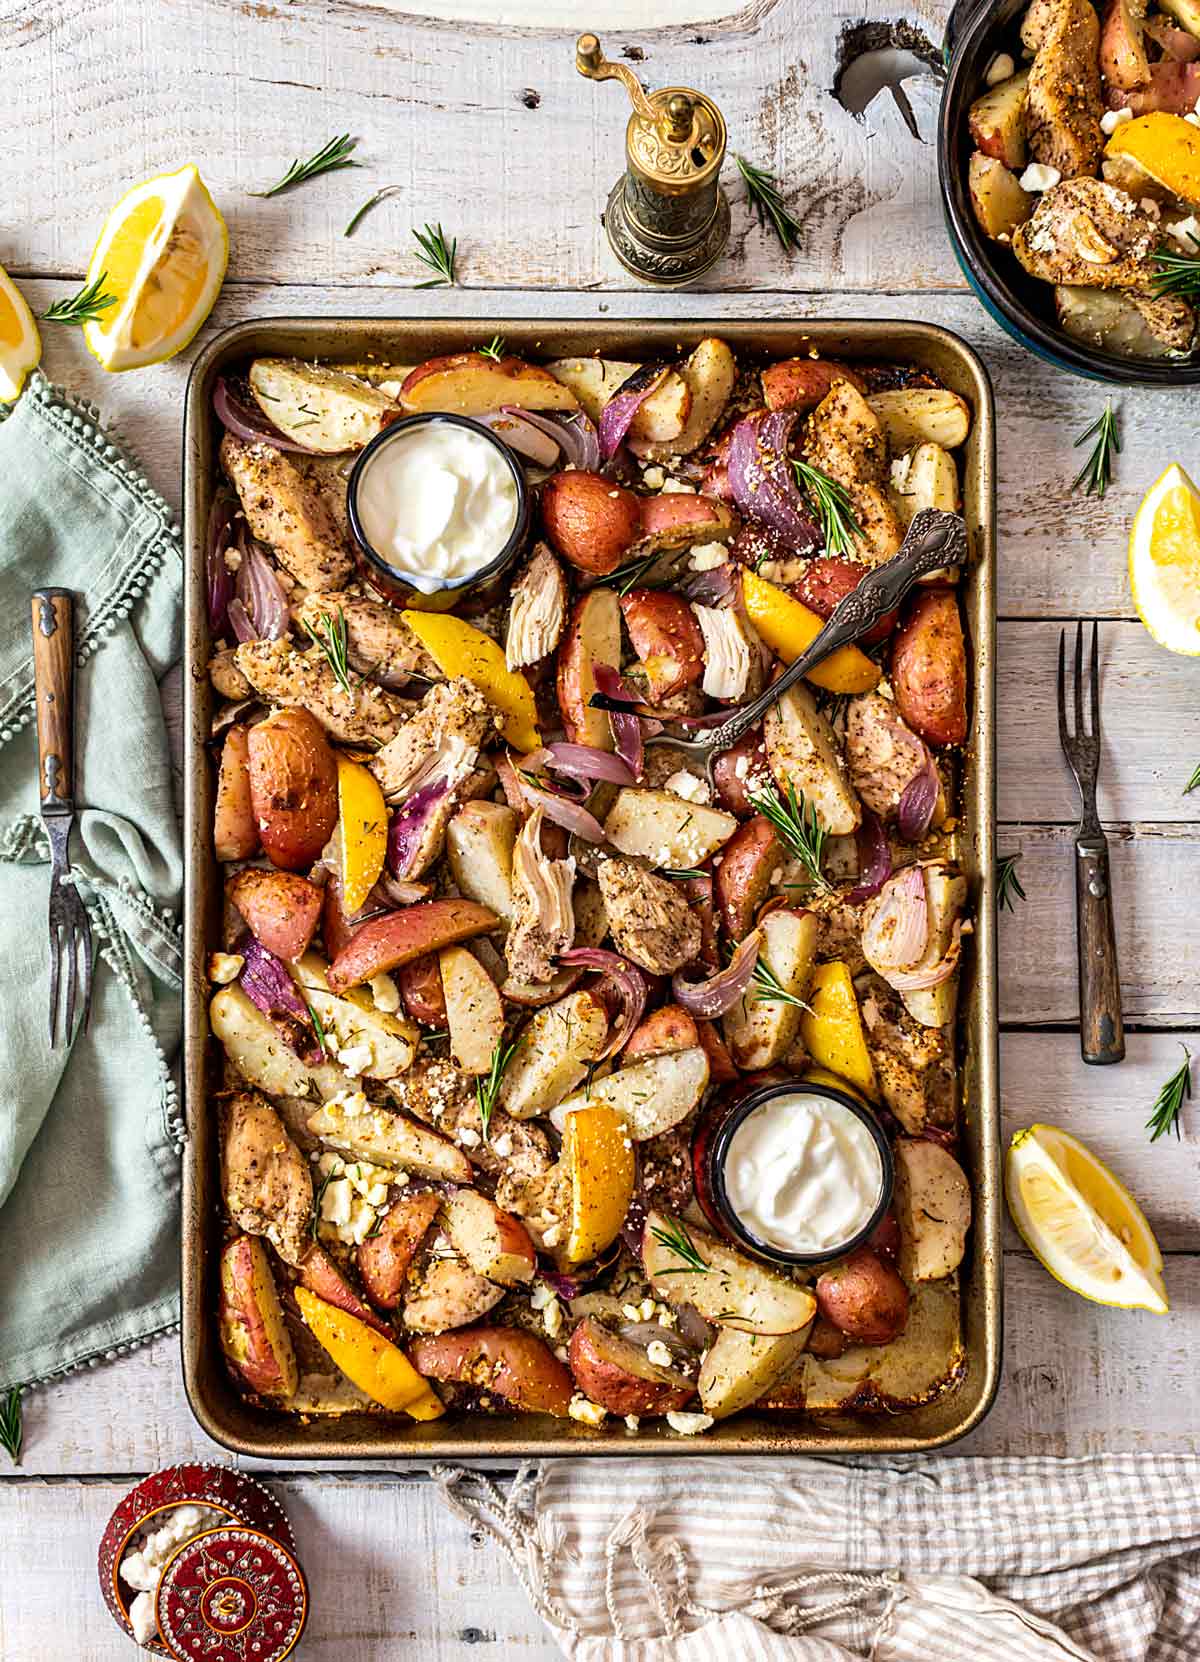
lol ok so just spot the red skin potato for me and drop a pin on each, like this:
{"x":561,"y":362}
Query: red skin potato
{"x":389,"y":942}
{"x":321,"y":1276}
{"x":721,"y":1070}
{"x":420,"y":985}
{"x":493,"y":1242}
{"x":293,"y":787}
{"x":248,"y":1310}
{"x":383,"y":1261}
{"x":590,"y":520}
{"x":826,"y":579}
{"x":825,"y":1340}
{"x":929,"y":667}
{"x":864,"y":1297}
{"x":235,"y":829}
{"x":596,"y":1357}
{"x":502,"y":1360}
{"x":677,"y":508}
{"x":801,"y":383}
{"x":281,"y":909}
{"x":665,"y":1029}
{"x":743,"y":881}
{"x":666,"y":638}
{"x":732,"y":785}
{"x":885,"y":1237}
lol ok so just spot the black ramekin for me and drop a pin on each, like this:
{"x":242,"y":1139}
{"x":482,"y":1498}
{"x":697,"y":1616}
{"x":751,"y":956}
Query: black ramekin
{"x":711,"y":1147}
{"x":382,"y":577}
{"x":1020,"y":304}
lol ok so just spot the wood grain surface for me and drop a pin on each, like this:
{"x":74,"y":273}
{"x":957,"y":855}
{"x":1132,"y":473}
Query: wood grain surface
{"x":489,"y":130}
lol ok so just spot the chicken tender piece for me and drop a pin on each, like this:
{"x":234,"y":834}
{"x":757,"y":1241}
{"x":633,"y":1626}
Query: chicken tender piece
{"x":844,"y":439}
{"x":543,"y":922}
{"x":538,"y":613}
{"x":304,"y":680}
{"x":649,"y":918}
{"x":437,"y":1092}
{"x":440,"y":740}
{"x":882,"y":753}
{"x":325,"y":475}
{"x":1064,"y":106}
{"x":1089,"y":233}
{"x":265,"y":1178}
{"x":913,"y":1064}
{"x":285,"y":509}
{"x":378,"y":641}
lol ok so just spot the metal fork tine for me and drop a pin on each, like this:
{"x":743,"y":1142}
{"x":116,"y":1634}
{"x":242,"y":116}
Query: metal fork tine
{"x":1095,"y":681}
{"x":1080,"y":729}
{"x":1064,"y":736}
{"x":55,"y":950}
{"x":86,"y":943}
{"x":72,"y":945}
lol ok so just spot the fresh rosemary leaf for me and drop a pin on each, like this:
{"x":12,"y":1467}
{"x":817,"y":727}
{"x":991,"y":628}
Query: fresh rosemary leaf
{"x":330,"y":159}
{"x":796,"y":823}
{"x":630,"y":575}
{"x":315,"y":1220}
{"x":487,"y":1088}
{"x":1193,"y":781}
{"x":494,"y":349}
{"x":681,"y":874}
{"x":85,"y":307}
{"x":330,"y":635}
{"x":318,"y":1029}
{"x":762,"y":193}
{"x":1177,"y":274}
{"x":371,"y":202}
{"x":676,"y":1239}
{"x":768,"y":989}
{"x":1164,"y":1116}
{"x":437,"y":254}
{"x":11,"y":1428}
{"x":1008,"y":883}
{"x":831,"y":505}
{"x":1096,"y":473}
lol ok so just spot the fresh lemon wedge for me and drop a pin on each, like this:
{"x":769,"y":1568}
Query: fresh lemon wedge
{"x":1164,"y":561}
{"x":20,"y":343}
{"x":1081,"y":1221}
{"x":163,"y":253}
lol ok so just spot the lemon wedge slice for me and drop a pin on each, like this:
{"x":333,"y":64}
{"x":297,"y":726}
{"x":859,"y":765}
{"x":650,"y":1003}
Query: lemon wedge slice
{"x":163,"y":253}
{"x":1164,"y":561}
{"x":1081,"y":1221}
{"x":20,"y":343}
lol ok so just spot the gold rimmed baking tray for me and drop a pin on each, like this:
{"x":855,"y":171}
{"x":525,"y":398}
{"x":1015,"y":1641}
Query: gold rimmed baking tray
{"x":246,"y":1429}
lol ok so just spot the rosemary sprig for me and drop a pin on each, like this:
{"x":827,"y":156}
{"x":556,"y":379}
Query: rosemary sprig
{"x":1008,"y":883}
{"x":768,"y":989}
{"x":1177,"y":274}
{"x":315,"y":1221}
{"x":330,"y":636}
{"x":676,"y":1239}
{"x":1164,"y":1116}
{"x":84,"y":307}
{"x":372,"y":202}
{"x":437,"y":254}
{"x":831,"y":505}
{"x":11,"y":1428}
{"x":317,"y":1028}
{"x":762,"y":193}
{"x":331,"y":158}
{"x":681,"y":874}
{"x":796,"y":823}
{"x":629,"y":575}
{"x":1096,"y":473}
{"x":487,"y":1088}
{"x":493,"y":350}
{"x":1193,"y":781}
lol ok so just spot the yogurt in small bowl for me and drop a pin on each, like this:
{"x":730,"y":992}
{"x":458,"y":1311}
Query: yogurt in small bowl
{"x":439,"y":507}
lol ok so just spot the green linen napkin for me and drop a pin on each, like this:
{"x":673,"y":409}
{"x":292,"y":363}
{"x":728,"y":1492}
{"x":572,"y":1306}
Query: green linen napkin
{"x":90,"y":1138}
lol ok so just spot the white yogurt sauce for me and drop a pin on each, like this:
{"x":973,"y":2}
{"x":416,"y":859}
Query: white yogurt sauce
{"x":803,"y":1173}
{"x":438,"y":503}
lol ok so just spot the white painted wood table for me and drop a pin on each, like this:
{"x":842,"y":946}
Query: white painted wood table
{"x":490,"y":131}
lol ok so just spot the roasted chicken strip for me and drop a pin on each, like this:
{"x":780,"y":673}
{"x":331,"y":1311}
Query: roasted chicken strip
{"x":378,"y":641}
{"x":443,"y":1096}
{"x":913,"y":1064}
{"x":304,"y":680}
{"x":845,"y":440}
{"x":1064,"y":107}
{"x":543,"y":922}
{"x":649,"y":918}
{"x":538,"y":613}
{"x":883,"y":754}
{"x":285,"y":509}
{"x":441,"y":740}
{"x":1086,"y":232}
{"x":265,"y":1178}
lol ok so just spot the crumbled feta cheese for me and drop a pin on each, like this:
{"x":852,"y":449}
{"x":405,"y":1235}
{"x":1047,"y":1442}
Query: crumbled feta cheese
{"x":337,"y":1201}
{"x":502,"y":1146}
{"x":707,"y":556}
{"x":357,"y":1058}
{"x":632,"y":1422}
{"x":688,"y":785}
{"x":540,"y":1295}
{"x":1000,"y":68}
{"x":468,"y":1136}
{"x":359,"y":1224}
{"x":376,"y":1195}
{"x":552,"y":1236}
{"x":1112,"y":119}
{"x":658,"y":1353}
{"x":676,"y":487}
{"x":688,"y":1425}
{"x":561,"y":1352}
{"x":653,"y":477}
{"x":1186,"y":232}
{"x":351,"y":1103}
{"x":588,"y":1413}
{"x":900,"y":471}
{"x":1039,"y":176}
{"x":142,"y":1567}
{"x":224,"y":967}
{"x":385,"y":995}
{"x":666,"y":1316}
{"x":552,"y":1319}
{"x":233,"y":559}
{"x":630,"y":1312}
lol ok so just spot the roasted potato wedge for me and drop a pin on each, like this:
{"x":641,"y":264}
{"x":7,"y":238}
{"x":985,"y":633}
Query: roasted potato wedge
{"x":665,"y":829}
{"x":929,"y":480}
{"x":997,"y":120}
{"x":293,"y":787}
{"x":751,"y":859}
{"x":590,"y":520}
{"x":490,"y":1240}
{"x":552,"y":1055}
{"x":997,"y":199}
{"x":469,"y":383}
{"x":804,"y":758}
{"x":758,"y":1030}
{"x":479,"y":846}
{"x":387,"y":1139}
{"x":321,"y":1276}
{"x":593,"y":637}
{"x":710,"y":373}
{"x":282,"y":909}
{"x":397,"y":938}
{"x":517,"y":1367}
{"x":384,"y":1258}
{"x":254,"y":1336}
{"x":666,"y":1029}
{"x":651,"y":1095}
{"x":764,"y":1301}
{"x":922,"y":415}
{"x":378,"y":1044}
{"x":617,"y":1374}
{"x":474,"y":1011}
{"x":933,"y":1206}
{"x":929,"y":667}
{"x":322,"y":409}
{"x":235,"y":829}
{"x":666,"y":638}
{"x":864,"y":1297}
{"x":739,"y":1368}
{"x":801,"y":383}
{"x":261,"y":1055}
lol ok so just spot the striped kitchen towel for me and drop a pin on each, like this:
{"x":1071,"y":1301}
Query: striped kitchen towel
{"x":911,"y":1560}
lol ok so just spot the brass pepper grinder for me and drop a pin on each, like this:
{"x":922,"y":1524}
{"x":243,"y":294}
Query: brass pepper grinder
{"x":667,"y":217}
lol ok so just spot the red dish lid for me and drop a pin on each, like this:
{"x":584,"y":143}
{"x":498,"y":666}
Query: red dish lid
{"x":231,"y":1492}
{"x":231,"y":1595}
